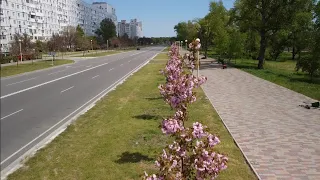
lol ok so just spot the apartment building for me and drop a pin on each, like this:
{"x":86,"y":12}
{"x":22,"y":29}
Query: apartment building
{"x":42,"y":18}
{"x":132,"y":29}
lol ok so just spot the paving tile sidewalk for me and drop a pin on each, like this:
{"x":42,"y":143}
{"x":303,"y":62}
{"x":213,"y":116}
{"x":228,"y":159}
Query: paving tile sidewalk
{"x":280,"y":139}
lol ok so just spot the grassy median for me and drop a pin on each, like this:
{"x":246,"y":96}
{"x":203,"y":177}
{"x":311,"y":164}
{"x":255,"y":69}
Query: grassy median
{"x":120,"y":137}
{"x":98,"y":54}
{"x":22,"y":68}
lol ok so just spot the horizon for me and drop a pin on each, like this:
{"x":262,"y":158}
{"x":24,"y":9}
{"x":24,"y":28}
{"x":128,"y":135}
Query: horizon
{"x":158,"y":20}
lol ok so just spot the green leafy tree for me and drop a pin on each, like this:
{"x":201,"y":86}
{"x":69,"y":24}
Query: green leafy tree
{"x":236,"y":43}
{"x":219,"y":18}
{"x":205,"y":33}
{"x":311,"y":63}
{"x":39,"y":48}
{"x":107,"y":30}
{"x":301,"y":29}
{"x":266,"y":17}
{"x":186,"y":30}
{"x":278,"y":43}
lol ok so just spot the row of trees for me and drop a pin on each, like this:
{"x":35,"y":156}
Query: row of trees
{"x":70,"y":39}
{"x":259,"y":29}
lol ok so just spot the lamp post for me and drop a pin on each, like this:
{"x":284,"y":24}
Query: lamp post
{"x":186,"y":44}
{"x":20,"y":51}
{"x":181,"y":44}
{"x":198,"y":45}
{"x":91,"y":45}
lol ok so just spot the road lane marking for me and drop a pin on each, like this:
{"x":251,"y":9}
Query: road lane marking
{"x":111,"y":69}
{"x":102,"y":94}
{"x":67,"y":89}
{"x":77,"y":66}
{"x":56,"y":72}
{"x":20,"y":81}
{"x":11,"y":114}
{"x":121,"y":64}
{"x":95,"y":76}
{"x":48,"y":82}
{"x":137,"y":53}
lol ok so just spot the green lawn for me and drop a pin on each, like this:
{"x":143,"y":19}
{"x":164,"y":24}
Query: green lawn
{"x":120,"y":137}
{"x":22,"y":68}
{"x":282,"y":73}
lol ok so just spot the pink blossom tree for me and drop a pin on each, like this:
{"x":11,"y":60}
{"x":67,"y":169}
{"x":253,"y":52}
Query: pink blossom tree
{"x":191,"y":155}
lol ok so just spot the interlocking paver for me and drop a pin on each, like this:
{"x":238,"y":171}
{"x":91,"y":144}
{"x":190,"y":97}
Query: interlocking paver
{"x":280,"y":139}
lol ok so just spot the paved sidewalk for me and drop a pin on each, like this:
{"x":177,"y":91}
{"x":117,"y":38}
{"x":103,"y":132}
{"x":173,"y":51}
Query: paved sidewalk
{"x":280,"y":139}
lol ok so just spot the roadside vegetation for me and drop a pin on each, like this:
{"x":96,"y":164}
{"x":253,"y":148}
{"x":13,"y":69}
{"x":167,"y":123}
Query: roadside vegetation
{"x":23,"y":68}
{"x":120,"y":138}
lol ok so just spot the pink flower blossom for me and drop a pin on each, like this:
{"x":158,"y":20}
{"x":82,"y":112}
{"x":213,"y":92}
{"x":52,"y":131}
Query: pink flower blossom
{"x":171,"y":126}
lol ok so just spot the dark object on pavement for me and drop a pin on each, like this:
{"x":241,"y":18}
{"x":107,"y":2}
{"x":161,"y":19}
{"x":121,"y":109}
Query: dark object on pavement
{"x":314,"y":105}
{"x":138,"y":48}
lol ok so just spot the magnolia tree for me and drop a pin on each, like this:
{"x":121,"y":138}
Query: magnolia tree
{"x":191,"y":155}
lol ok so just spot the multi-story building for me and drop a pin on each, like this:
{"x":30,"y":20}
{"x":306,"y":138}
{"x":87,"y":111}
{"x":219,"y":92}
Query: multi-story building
{"x":132,"y":29}
{"x":42,"y":18}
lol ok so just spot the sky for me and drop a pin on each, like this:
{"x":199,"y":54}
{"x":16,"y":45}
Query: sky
{"x":160,"y":16}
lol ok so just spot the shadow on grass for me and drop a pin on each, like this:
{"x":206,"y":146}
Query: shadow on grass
{"x":154,"y":98}
{"x":147,"y":117}
{"x":128,"y":157}
{"x":244,"y":66}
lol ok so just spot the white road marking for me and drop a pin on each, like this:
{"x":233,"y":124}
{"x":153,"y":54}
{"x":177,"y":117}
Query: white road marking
{"x":121,"y":64}
{"x":104,"y":92}
{"x":23,"y":90}
{"x":111,"y":69}
{"x":20,"y":81}
{"x":95,"y":76}
{"x":137,"y":53}
{"x":66,"y":89}
{"x":56,"y":72}
{"x":77,"y":66}
{"x":11,"y":114}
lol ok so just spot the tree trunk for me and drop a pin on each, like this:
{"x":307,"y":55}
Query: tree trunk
{"x":262,"y":51}
{"x":293,"y":53}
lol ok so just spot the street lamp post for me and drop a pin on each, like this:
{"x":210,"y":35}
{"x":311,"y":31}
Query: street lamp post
{"x":20,"y":51}
{"x":198,"y":55}
{"x":91,"y":45}
{"x":107,"y":44}
{"x":186,"y":44}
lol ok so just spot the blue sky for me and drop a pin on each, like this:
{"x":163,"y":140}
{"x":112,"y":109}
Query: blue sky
{"x":159,"y":16}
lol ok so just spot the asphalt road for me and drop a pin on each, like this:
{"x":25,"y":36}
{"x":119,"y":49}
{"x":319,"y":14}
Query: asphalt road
{"x":35,"y":104}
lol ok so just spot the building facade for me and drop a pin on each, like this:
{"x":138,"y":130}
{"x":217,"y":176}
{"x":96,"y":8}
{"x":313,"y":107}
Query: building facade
{"x":42,"y":18}
{"x":132,"y":29}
